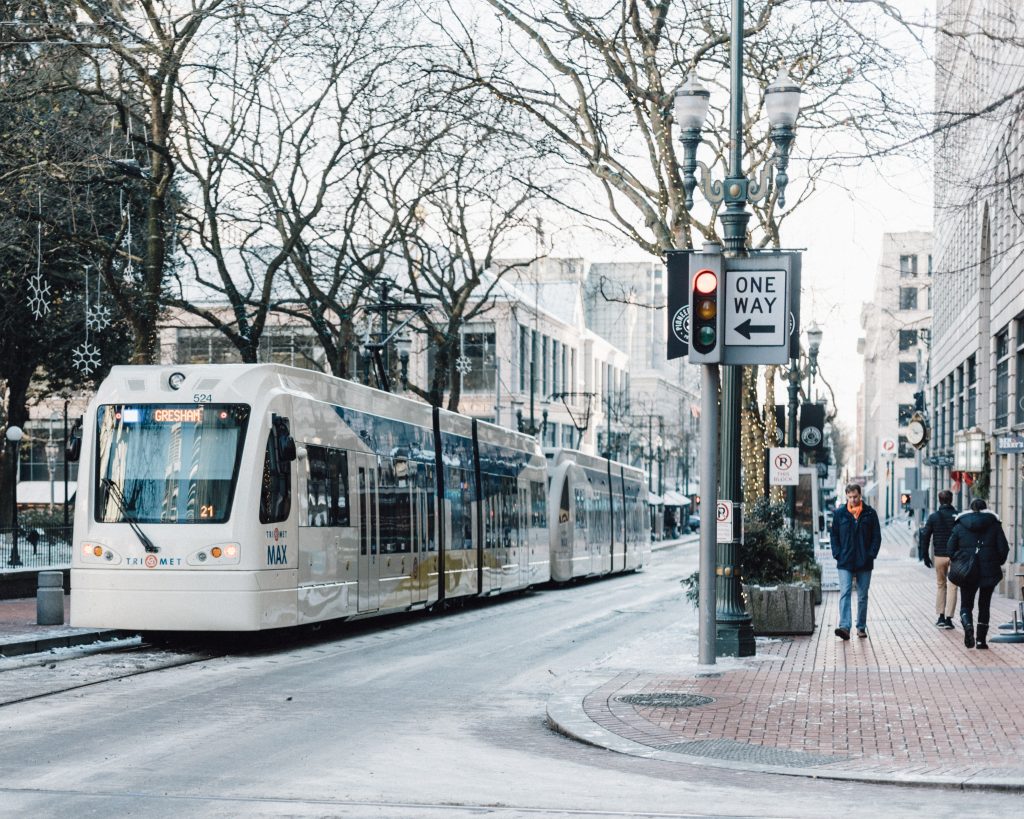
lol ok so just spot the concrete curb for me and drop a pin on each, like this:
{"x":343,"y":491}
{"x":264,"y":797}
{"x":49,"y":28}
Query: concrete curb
{"x":566,"y":716}
{"x":34,"y":645}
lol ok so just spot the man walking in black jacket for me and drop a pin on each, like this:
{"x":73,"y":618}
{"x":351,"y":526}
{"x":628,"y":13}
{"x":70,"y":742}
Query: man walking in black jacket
{"x":937,"y":529}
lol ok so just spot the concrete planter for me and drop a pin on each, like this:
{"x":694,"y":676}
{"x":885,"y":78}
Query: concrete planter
{"x":812,"y":579}
{"x":779,"y":610}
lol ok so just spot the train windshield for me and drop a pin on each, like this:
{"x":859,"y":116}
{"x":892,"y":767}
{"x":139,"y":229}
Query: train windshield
{"x":168,"y":463}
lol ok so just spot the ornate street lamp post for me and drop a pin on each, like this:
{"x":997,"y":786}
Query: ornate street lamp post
{"x":14,"y":436}
{"x":814,"y":334}
{"x":734,"y":633}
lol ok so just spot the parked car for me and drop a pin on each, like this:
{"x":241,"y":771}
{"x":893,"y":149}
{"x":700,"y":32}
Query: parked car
{"x":693,"y":523}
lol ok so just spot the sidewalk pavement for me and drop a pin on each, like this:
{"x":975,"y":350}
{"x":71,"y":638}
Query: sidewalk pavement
{"x":19,"y":633}
{"x":909,"y":704}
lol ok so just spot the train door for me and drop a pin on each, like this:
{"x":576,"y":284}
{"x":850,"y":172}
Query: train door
{"x":527,"y":540}
{"x":499,"y":557}
{"x":369,"y":559}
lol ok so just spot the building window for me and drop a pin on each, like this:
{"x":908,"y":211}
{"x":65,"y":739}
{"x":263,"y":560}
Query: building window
{"x":1018,"y":416}
{"x":545,"y":366}
{"x":557,"y":374}
{"x":908,"y":338}
{"x":478,"y":347}
{"x":524,"y":356}
{"x":1002,"y":380}
{"x":908,"y":265}
{"x":908,"y":298}
{"x":906,"y":411}
{"x":972,"y":392}
{"x":908,"y":372}
{"x":200,"y":345}
{"x":950,"y":403}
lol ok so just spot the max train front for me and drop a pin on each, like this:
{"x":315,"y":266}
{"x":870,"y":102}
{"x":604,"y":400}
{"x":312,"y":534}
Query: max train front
{"x":167,"y":533}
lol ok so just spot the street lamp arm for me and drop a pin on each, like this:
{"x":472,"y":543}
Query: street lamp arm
{"x":712,"y":190}
{"x":762,"y":186}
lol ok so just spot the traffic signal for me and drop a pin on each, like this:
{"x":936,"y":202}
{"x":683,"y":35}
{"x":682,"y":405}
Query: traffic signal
{"x":696,"y":501}
{"x":905,"y":499}
{"x":706,"y":280}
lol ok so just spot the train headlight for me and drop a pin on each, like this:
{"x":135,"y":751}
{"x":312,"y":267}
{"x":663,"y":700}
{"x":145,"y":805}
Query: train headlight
{"x":221,"y":554}
{"x":93,"y":552}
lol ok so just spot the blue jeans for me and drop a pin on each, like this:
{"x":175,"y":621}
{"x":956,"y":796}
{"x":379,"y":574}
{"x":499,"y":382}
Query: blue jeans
{"x":846,"y":589}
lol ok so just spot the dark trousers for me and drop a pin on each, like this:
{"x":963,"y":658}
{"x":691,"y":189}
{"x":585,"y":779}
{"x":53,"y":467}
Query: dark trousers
{"x":984,"y":601}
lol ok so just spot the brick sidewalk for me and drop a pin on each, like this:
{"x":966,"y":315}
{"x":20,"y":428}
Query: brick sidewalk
{"x":909,"y":703}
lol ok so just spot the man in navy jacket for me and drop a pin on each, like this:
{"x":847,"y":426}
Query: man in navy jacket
{"x":856,"y":539}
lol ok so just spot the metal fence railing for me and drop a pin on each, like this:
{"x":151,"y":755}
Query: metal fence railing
{"x":35,"y":547}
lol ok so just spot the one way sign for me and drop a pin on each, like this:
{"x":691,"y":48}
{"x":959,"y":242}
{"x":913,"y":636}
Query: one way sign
{"x":756,"y":308}
{"x":761,"y":310}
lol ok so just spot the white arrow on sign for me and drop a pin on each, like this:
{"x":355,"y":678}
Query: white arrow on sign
{"x":756,"y":308}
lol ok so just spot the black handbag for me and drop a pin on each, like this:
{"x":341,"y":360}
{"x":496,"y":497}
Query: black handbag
{"x":963,"y":568}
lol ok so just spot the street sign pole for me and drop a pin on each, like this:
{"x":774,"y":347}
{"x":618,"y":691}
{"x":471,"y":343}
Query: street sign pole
{"x":708,"y":511}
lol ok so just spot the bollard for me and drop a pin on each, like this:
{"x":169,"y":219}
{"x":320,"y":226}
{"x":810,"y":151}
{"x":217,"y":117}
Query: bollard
{"x":50,"y":599}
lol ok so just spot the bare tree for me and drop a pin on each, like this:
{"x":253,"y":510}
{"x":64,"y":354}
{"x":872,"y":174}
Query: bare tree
{"x":284,"y":176}
{"x":600,"y":85}
{"x":477,"y":197}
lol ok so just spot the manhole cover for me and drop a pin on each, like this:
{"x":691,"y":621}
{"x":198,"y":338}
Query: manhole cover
{"x":734,"y":751}
{"x":666,"y":700}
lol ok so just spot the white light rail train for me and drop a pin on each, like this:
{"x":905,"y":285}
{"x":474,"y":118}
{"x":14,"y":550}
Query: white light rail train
{"x":246,"y":497}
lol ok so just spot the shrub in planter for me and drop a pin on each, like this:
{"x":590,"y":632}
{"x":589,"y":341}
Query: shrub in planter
{"x":771,"y":552}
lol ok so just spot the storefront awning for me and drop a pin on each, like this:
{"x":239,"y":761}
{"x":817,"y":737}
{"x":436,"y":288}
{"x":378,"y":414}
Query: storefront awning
{"x":673,"y":498}
{"x":654,"y":500}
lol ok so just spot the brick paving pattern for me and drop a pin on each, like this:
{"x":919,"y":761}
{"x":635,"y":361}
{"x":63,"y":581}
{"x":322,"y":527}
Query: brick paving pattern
{"x":910,"y":699}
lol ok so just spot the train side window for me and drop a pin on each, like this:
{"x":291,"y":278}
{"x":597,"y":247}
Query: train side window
{"x":429,"y":485}
{"x":581,"y":509}
{"x":337,"y":474}
{"x":395,"y":503}
{"x":276,"y":488}
{"x":538,"y":503}
{"x":317,"y":486}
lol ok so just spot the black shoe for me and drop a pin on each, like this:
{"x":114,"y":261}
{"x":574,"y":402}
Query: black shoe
{"x":843,"y":632}
{"x":948,"y":623}
{"x":861,"y":633}
{"x":982,"y":635}
{"x":967,"y":621}
{"x":941,"y":622}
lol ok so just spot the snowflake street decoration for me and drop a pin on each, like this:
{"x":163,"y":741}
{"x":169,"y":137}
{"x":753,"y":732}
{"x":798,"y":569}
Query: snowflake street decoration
{"x":463,"y":365}
{"x":86,"y":358}
{"x":98,"y":318}
{"x":38,"y":296}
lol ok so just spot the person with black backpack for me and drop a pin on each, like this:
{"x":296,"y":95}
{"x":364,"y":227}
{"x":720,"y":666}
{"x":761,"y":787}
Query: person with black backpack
{"x":937,"y":530}
{"x":978,"y":543}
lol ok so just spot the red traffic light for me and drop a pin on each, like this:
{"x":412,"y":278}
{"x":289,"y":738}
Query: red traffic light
{"x":706,"y":281}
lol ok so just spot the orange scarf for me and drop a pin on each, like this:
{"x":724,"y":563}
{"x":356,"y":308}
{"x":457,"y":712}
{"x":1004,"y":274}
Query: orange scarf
{"x":855,"y":510}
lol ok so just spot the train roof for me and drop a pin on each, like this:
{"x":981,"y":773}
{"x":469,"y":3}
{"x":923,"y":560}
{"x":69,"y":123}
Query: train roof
{"x":558,"y":456}
{"x":149,"y":383}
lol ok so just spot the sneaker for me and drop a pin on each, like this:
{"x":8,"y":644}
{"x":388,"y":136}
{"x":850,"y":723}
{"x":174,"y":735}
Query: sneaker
{"x":843,"y":632}
{"x":861,"y":633}
{"x":941,"y":622}
{"x":948,"y":623}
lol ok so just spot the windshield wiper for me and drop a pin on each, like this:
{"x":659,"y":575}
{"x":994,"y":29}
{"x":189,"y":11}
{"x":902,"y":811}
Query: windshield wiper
{"x":114,"y":491}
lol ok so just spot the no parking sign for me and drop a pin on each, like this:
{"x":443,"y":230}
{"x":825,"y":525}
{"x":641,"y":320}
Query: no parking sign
{"x":783,"y":466}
